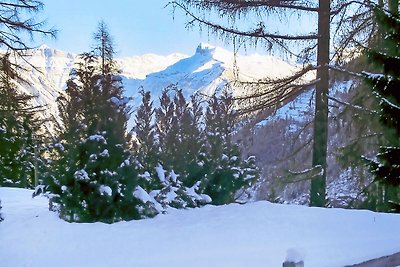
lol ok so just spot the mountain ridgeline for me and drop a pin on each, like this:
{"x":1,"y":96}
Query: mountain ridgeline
{"x":206,"y":71}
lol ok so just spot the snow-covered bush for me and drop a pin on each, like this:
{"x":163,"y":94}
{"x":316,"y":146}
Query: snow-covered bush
{"x":174,"y":194}
{"x":229,"y":178}
{"x":170,"y":192}
{"x":183,"y":139}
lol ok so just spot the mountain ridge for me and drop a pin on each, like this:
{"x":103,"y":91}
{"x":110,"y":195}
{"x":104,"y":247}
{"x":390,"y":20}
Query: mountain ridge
{"x":207,"y":70}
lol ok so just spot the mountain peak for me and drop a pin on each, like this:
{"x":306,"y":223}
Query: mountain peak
{"x":43,"y":47}
{"x":204,"y":48}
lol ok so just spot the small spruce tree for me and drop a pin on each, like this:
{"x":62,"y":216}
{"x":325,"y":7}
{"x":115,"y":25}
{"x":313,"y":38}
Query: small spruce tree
{"x":166,"y":129}
{"x":227,"y":175}
{"x":166,"y":148}
{"x":145,"y":135}
{"x":95,"y":175}
{"x":194,"y":142}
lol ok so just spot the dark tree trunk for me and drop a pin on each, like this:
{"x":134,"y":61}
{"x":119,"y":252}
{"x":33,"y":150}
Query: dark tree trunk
{"x":318,"y":183}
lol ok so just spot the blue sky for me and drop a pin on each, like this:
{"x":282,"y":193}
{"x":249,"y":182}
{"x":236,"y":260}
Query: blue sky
{"x":138,"y":26}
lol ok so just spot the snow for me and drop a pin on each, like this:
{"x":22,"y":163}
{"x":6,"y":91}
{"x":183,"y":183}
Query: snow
{"x":97,"y":138}
{"x":142,"y":195}
{"x":173,"y":176}
{"x":202,"y":197}
{"x":104,"y":154}
{"x":119,"y":101}
{"x":82,"y":175}
{"x":390,"y":103}
{"x":104,"y":189}
{"x":254,"y":234}
{"x":171,"y":195}
{"x":59,"y":146}
{"x":146,"y":176}
{"x":160,"y":173}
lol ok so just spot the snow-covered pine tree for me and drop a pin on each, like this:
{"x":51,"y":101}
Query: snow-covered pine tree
{"x":185,"y":139}
{"x":17,"y":126}
{"x":166,"y":128}
{"x":386,"y":84}
{"x":227,"y":175}
{"x":95,"y":175}
{"x":178,"y":143}
{"x":193,"y":142}
{"x":179,"y":133}
{"x":145,"y":138}
{"x":178,"y":138}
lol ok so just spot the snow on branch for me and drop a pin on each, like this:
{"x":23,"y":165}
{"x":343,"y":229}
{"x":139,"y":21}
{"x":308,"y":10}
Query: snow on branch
{"x":356,"y":107}
{"x":390,"y":103}
{"x":304,"y":175}
{"x":354,"y":74}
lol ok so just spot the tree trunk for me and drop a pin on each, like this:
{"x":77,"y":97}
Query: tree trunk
{"x":318,"y":183}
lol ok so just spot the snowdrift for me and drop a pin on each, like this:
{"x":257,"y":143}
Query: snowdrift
{"x":251,"y":235}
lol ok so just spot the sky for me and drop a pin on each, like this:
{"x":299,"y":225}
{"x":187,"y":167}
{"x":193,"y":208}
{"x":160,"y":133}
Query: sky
{"x":137,"y":26}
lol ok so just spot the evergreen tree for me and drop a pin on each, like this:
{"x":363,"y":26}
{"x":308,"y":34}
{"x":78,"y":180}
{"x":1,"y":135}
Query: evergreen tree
{"x":17,"y":126}
{"x":386,"y":167}
{"x":95,"y":176}
{"x":226,"y":173}
{"x":145,"y":130}
{"x":104,"y":49}
{"x":192,"y":162}
{"x":185,"y":138}
{"x":145,"y":134}
{"x":165,"y":130}
{"x":180,"y":136}
{"x":166,"y":146}
{"x":18,"y":123}
{"x":193,"y":142}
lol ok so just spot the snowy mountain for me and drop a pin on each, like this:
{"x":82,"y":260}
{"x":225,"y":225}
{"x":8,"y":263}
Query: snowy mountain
{"x":47,"y":71}
{"x":207,"y":70}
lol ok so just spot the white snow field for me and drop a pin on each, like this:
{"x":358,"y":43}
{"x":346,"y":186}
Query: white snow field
{"x":259,"y":234}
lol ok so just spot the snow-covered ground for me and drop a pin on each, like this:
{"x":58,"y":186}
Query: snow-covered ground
{"x":251,"y":235}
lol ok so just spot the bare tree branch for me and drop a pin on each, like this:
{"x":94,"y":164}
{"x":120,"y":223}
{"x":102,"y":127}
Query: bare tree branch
{"x":244,"y":5}
{"x":269,"y":93}
{"x":309,"y":174}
